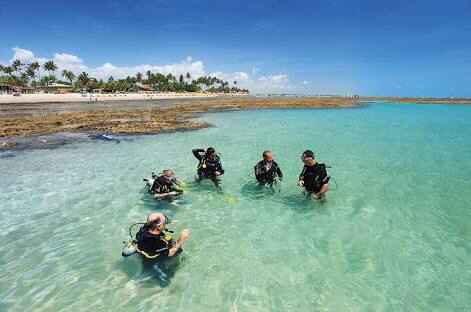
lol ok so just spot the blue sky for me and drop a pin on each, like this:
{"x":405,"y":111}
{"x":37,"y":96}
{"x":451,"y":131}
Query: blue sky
{"x":406,"y":48}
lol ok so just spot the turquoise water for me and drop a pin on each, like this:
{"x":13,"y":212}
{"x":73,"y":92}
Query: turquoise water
{"x":393,"y":235}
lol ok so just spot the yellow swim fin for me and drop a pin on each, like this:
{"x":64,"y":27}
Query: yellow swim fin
{"x":231,"y":199}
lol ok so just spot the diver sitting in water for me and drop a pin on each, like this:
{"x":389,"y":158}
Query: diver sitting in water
{"x":165,"y":185}
{"x":267,"y":170}
{"x":154,"y":240}
{"x":314,"y":176}
{"x":209,"y":166}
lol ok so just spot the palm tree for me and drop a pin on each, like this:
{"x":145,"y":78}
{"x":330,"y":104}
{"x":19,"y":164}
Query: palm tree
{"x":83,"y":79}
{"x":69,"y":75}
{"x":188,"y":76}
{"x":24,"y":78}
{"x":50,"y":66}
{"x":139,"y":77}
{"x":8,"y":70}
{"x":16,"y":65}
{"x":31,"y":73}
{"x":35,"y":68}
{"x":149,"y":75}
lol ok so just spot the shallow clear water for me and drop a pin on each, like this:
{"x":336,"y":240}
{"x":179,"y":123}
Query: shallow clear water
{"x":394,"y":234}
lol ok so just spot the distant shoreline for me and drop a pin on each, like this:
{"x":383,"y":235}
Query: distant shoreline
{"x":414,"y":100}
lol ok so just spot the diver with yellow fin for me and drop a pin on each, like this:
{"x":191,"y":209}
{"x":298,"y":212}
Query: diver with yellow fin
{"x":165,"y":185}
{"x":209,"y":166}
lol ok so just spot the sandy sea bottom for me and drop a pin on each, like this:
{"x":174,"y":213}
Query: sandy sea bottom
{"x":394,"y":234}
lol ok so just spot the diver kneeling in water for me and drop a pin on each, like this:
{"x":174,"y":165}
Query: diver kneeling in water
{"x":209,"y":166}
{"x":267,"y":170}
{"x":164,"y":186}
{"x":314,"y":176}
{"x":154,"y":240}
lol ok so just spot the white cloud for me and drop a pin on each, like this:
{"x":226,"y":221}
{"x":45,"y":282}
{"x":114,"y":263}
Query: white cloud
{"x":23,"y":55}
{"x":69,"y":62}
{"x":305,"y":82}
{"x":252,"y":81}
{"x":236,"y":76}
{"x":279,"y":79}
{"x":272,"y":83}
{"x":241,"y":76}
{"x":195,"y":68}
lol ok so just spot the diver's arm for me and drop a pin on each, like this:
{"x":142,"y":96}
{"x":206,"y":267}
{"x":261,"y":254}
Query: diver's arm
{"x":162,"y":195}
{"x":278,"y":172}
{"x":257,"y":171}
{"x":301,"y":177}
{"x":325,"y":175}
{"x":219,"y":168}
{"x":178,"y":245}
{"x":198,"y":153}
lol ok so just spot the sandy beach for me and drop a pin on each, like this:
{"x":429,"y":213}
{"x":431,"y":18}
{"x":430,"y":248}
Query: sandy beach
{"x":97,"y":97}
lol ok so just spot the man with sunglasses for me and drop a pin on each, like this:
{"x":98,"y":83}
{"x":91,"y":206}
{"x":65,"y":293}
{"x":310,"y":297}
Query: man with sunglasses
{"x":313,"y":177}
{"x":267,"y":170}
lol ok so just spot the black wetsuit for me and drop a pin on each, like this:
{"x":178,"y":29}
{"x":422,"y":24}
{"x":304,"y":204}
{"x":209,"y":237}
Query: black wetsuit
{"x":207,"y":166}
{"x":153,"y":244}
{"x":314,"y":177}
{"x":164,"y":185}
{"x":267,"y":172}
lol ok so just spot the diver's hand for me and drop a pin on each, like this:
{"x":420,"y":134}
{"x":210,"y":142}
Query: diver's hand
{"x":301,"y":183}
{"x":217,"y":173}
{"x":184,"y":235}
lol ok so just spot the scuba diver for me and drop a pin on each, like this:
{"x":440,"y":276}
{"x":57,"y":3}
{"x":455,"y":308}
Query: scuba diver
{"x":165,"y":185}
{"x":267,"y":170}
{"x":209,"y":166}
{"x":314,"y":176}
{"x":153,"y":240}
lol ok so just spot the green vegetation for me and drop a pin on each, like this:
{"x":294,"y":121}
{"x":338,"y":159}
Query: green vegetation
{"x":19,"y":74}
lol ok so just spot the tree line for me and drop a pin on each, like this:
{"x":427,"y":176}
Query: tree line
{"x":22,"y":74}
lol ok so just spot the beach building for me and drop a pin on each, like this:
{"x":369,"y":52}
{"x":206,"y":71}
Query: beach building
{"x":57,"y":88}
{"x":6,"y":88}
{"x":143,"y":88}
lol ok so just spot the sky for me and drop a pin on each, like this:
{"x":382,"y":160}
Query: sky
{"x":391,"y":48}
